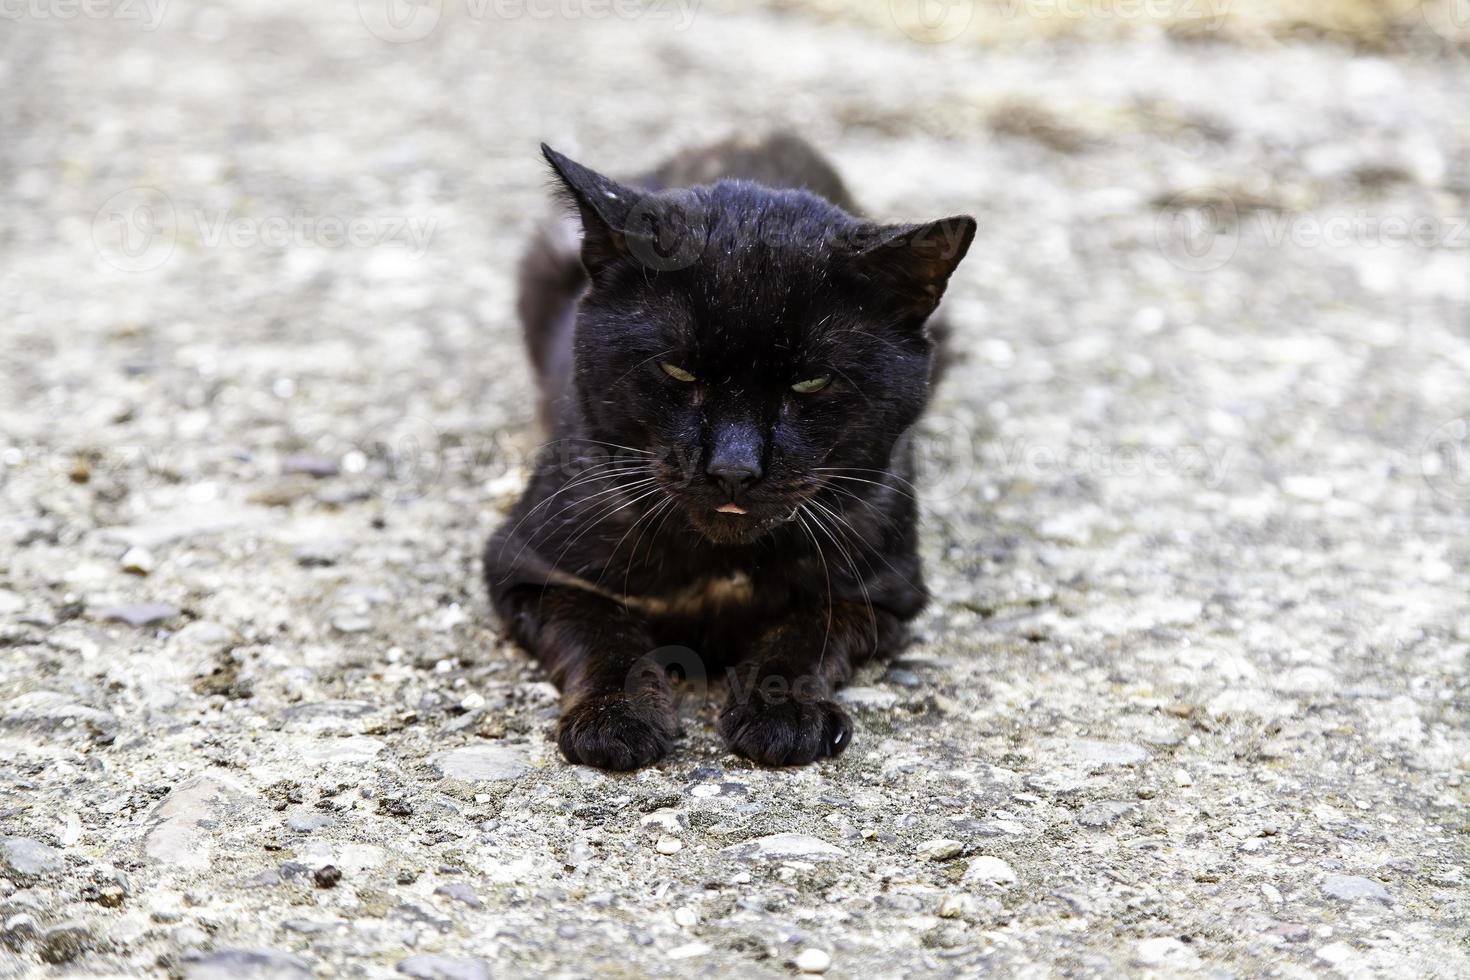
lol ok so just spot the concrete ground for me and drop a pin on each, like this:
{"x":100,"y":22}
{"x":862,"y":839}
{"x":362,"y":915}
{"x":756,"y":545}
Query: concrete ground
{"x":1192,"y":697}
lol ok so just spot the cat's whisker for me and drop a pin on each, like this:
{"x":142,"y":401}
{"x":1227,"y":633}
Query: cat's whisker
{"x":859,"y":542}
{"x":827,"y":634}
{"x":662,"y":353}
{"x":582,"y":479}
{"x":646,"y":515}
{"x":608,"y":511}
{"x":835,"y":473}
{"x":571,"y":486}
{"x":862,"y":583}
{"x":586,"y":526}
{"x":874,"y":508}
{"x":839,"y":473}
{"x":663,"y":506}
{"x":599,"y":442}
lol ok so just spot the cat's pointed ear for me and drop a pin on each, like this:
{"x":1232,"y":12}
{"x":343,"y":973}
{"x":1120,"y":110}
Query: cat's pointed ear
{"x":603,"y":204}
{"x":912,"y":263}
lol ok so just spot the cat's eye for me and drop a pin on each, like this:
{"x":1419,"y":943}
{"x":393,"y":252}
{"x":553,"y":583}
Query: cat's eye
{"x":812,"y":385}
{"x":676,"y":372}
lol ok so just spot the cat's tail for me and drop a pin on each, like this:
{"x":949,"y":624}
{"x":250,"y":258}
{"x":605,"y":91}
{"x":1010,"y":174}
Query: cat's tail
{"x":551,"y":280}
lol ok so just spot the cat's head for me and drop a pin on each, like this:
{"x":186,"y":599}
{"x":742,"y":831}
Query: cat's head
{"x":752,"y":341}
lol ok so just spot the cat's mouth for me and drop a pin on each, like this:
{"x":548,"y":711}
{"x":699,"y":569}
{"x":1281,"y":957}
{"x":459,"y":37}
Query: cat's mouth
{"x":740,"y":520}
{"x":743,"y":522}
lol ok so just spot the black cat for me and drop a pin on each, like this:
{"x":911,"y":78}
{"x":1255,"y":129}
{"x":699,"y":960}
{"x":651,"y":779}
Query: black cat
{"x":731,"y":369}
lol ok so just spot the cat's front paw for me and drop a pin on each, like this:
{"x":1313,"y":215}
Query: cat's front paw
{"x":614,"y":731}
{"x":785,"y":733}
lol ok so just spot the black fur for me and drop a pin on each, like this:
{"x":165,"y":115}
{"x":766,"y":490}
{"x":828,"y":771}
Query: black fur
{"x":743,"y":266}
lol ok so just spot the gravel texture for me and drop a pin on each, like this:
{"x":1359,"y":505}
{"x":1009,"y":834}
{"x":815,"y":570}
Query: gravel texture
{"x":1192,"y":697}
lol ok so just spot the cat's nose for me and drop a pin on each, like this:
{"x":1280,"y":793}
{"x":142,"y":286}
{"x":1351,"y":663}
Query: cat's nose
{"x":733,"y":475}
{"x":734,"y":460}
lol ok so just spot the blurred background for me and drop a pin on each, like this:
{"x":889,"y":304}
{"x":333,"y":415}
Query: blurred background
{"x":1195,"y":497}
{"x":292,"y":226}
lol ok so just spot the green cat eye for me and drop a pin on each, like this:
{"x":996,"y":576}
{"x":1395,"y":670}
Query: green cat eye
{"x":676,"y":372}
{"x":811,"y":386}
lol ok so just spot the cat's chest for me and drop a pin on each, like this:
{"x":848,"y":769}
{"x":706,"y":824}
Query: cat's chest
{"x":698,"y":598}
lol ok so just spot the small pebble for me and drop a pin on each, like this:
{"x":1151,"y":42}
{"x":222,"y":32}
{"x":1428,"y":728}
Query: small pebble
{"x":813,"y":961}
{"x":351,"y":623}
{"x":142,"y":614}
{"x":1351,"y":888}
{"x":320,"y":467}
{"x":1160,"y":951}
{"x":685,"y":917}
{"x":991,"y":871}
{"x":688,"y":951}
{"x":956,"y":906}
{"x":1183,"y":778}
{"x":940,"y":849}
{"x":327,"y":876}
{"x":669,"y":845}
{"x":138,"y":561}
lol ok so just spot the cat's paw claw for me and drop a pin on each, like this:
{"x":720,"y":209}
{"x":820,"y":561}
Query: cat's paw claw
{"x":615,"y":732}
{"x":790,"y":733}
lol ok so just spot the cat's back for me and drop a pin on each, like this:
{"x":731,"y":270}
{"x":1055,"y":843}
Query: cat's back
{"x":780,"y":160}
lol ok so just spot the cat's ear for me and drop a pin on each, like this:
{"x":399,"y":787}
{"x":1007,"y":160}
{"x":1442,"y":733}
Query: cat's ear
{"x":912,"y":263}
{"x":661,"y":231}
{"x":603,"y":204}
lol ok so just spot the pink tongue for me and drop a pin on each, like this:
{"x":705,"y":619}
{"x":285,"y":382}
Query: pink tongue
{"x":730,"y":509}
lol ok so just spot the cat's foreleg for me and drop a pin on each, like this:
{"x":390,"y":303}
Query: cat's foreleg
{"x":615,"y":712}
{"x":780,"y":710}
